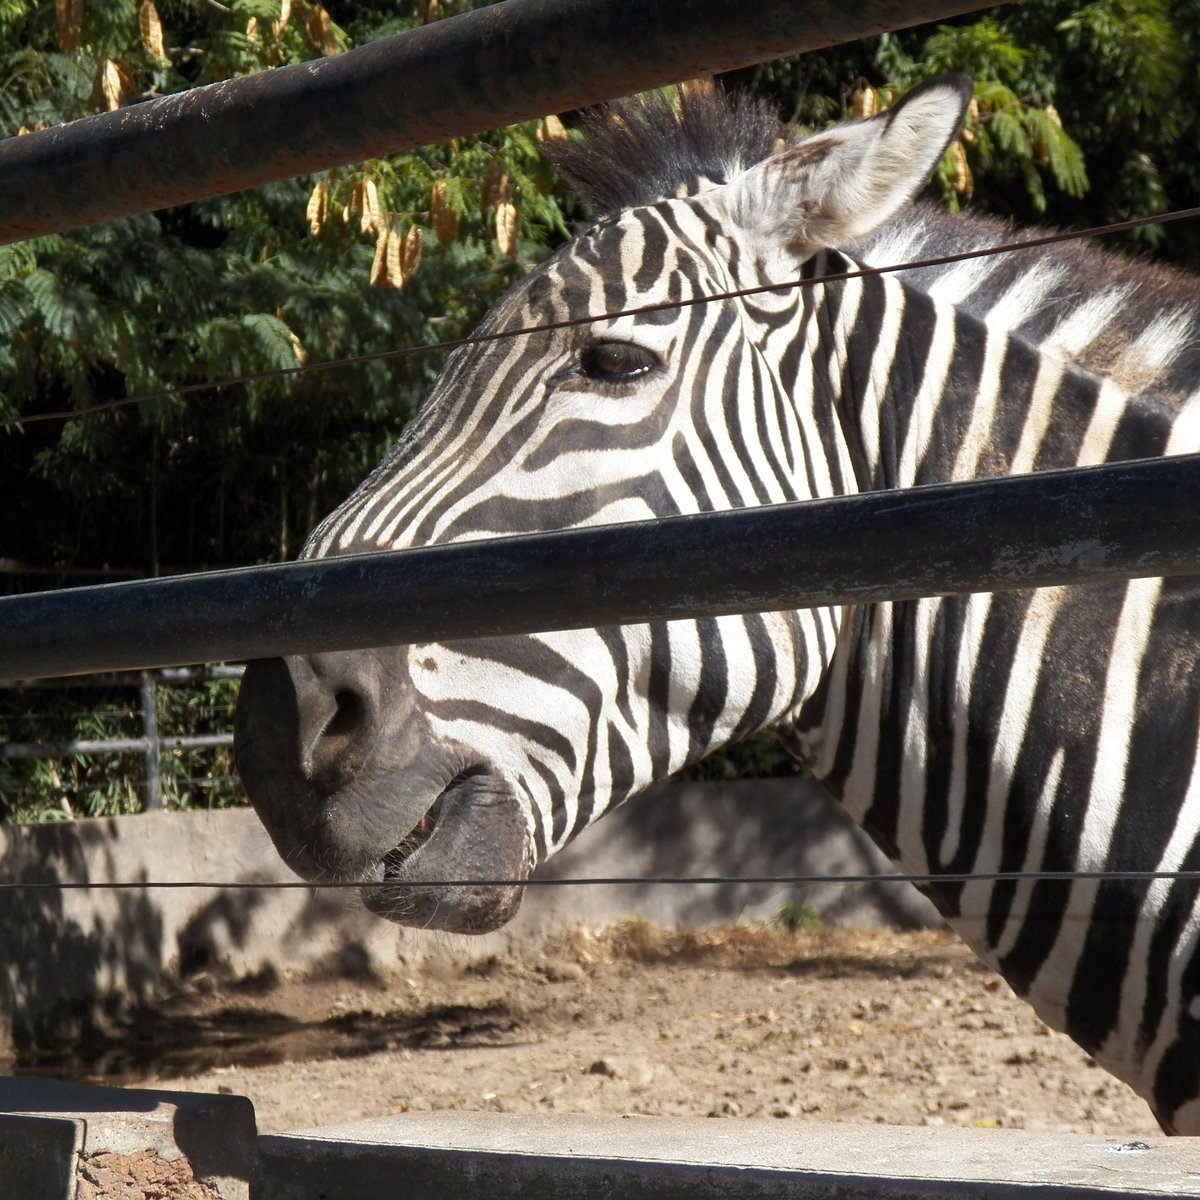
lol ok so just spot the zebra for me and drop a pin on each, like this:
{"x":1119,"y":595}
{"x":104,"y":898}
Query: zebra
{"x":1045,"y":730}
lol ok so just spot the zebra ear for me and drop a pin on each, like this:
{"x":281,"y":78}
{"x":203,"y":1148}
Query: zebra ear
{"x":845,"y":182}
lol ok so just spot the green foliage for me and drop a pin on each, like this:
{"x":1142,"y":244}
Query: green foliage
{"x":233,"y":286}
{"x":112,"y":784}
{"x":797,"y":915}
{"x":756,"y":758}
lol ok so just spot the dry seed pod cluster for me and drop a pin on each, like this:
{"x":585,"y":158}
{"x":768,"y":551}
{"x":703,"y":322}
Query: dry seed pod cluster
{"x":285,"y":15}
{"x":864,"y":103}
{"x":113,"y":83}
{"x":508,"y":222}
{"x":366,"y":203}
{"x":297,"y":346}
{"x":397,"y":257}
{"x":703,"y":86}
{"x":410,"y":255}
{"x":961,"y":179}
{"x":1040,"y":148}
{"x":970,"y":122}
{"x":319,"y":29}
{"x":151,"y":30}
{"x":318,"y":207}
{"x":551,"y":129}
{"x":497,"y":194}
{"x":69,"y":15}
{"x":445,"y":223}
{"x":497,"y":186}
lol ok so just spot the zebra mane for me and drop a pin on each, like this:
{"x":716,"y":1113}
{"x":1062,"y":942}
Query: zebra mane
{"x":635,"y":152}
{"x":1146,"y":331}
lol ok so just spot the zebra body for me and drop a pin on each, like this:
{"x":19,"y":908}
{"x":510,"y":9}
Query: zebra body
{"x":1054,"y":729}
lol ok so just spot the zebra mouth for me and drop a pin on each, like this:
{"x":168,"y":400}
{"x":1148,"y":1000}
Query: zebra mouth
{"x":397,"y":858}
{"x":461,"y":866}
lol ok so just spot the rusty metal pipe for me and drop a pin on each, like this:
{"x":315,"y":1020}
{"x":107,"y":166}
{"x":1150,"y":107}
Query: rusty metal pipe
{"x":481,"y":70}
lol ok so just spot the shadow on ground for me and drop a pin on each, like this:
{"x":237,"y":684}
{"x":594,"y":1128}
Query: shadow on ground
{"x":185,"y":1038}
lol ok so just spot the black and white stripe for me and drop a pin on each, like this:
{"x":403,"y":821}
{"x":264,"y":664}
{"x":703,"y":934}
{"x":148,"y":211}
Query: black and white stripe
{"x":1049,"y":730}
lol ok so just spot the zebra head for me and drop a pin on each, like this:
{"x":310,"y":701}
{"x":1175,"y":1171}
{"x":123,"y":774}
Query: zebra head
{"x":475,"y":760}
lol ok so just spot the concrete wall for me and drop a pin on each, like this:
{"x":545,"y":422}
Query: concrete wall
{"x":66,"y":1142}
{"x":69,"y":957}
{"x":508,"y":1157}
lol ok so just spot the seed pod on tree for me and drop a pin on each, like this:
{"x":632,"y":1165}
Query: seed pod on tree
{"x":410,"y":252}
{"x":108,"y":91}
{"x":970,"y":123}
{"x":864,"y":103}
{"x":319,"y":29}
{"x":318,"y":207}
{"x":69,"y":14}
{"x":961,"y":179}
{"x":445,"y":223}
{"x":379,"y":276}
{"x":508,"y":222}
{"x":551,"y":129}
{"x":371,"y":218}
{"x":497,"y":187}
{"x":150,"y":28}
{"x":394,"y":259}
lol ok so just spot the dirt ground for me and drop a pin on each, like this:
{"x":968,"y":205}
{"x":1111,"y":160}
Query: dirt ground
{"x":731,"y":1022}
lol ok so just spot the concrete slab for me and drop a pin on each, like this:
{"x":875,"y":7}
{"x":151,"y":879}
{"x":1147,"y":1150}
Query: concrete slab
{"x":190,"y":1144}
{"x":39,"y":1157}
{"x":431,"y":1156}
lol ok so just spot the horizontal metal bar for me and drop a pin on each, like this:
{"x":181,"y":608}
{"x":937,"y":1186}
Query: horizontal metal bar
{"x":168,"y":677}
{"x":477,"y":71}
{"x":171,"y":676}
{"x":13,"y":750}
{"x":1083,"y":525}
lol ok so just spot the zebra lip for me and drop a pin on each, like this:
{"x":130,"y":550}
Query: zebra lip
{"x":398,"y":857}
{"x":444,"y":874}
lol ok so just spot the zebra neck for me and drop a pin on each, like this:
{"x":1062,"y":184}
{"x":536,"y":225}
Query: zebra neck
{"x":929,"y":392}
{"x":926,"y":390}
{"x":1013,"y":732}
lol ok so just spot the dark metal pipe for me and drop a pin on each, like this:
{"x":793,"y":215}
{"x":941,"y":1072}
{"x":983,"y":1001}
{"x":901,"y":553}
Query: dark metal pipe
{"x":509,"y":62}
{"x":171,"y":677}
{"x":1058,"y":527}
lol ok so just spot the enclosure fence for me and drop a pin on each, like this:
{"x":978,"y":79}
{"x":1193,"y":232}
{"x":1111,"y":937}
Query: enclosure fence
{"x":152,"y":744}
{"x":509,"y":62}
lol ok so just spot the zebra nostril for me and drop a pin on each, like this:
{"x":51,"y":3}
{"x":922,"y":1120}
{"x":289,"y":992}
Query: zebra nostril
{"x":336,"y":716}
{"x":349,"y":714}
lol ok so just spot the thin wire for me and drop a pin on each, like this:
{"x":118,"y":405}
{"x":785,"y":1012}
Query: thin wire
{"x":620,"y":881}
{"x":477,"y":339}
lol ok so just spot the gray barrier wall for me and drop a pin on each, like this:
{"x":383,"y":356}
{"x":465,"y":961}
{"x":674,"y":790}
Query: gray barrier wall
{"x":70,"y":957}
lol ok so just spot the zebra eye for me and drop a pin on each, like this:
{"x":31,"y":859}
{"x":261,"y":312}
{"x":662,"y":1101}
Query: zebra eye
{"x":616,"y":362}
